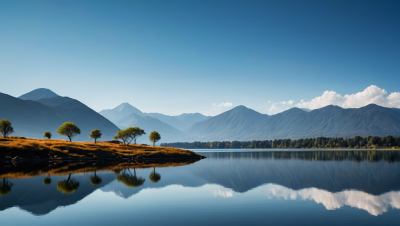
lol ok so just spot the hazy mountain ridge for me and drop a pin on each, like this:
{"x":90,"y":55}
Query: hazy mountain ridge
{"x":149,"y":124}
{"x":119,"y":112}
{"x":295,"y":123}
{"x":329,"y":121}
{"x":84,"y":117}
{"x":38,"y":94}
{"x":225,"y":126}
{"x":32,"y":118}
{"x":179,"y":122}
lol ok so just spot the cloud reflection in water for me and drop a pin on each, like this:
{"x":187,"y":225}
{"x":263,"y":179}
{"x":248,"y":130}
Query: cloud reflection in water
{"x":374,"y":205}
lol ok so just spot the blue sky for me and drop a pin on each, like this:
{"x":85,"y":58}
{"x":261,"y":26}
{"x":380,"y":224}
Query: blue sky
{"x":205,"y":56}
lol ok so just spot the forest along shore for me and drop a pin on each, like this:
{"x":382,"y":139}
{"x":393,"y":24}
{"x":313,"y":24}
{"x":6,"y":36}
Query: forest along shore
{"x":17,"y":150}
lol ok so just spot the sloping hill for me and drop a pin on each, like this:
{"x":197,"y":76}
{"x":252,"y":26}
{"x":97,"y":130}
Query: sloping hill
{"x":29,"y":118}
{"x":226,"y":126}
{"x":149,"y":124}
{"x":38,"y":94}
{"x":180,"y":122}
{"x":32,"y":118}
{"x":83,"y":116}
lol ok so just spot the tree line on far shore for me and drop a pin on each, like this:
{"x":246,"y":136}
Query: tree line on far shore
{"x":319,"y":142}
{"x":70,"y":130}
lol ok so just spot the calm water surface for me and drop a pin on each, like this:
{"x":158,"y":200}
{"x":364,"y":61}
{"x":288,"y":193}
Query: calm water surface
{"x":227,"y":188}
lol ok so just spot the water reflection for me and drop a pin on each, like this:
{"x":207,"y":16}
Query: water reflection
{"x":129,"y":179}
{"x":374,"y":205}
{"x":47,"y":180}
{"x":364,"y":180}
{"x":5,"y":187}
{"x":68,"y":186}
{"x":154,"y":177}
{"x":95,"y":180}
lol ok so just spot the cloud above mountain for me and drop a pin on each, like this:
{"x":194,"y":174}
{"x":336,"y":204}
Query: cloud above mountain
{"x":227,"y":104}
{"x":371,"y":95}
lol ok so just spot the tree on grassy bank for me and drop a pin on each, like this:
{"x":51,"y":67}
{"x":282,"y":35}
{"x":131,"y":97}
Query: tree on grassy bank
{"x":5,"y":128}
{"x":47,"y":135}
{"x":136,"y":132}
{"x":154,"y":137}
{"x":129,"y":134}
{"x":96,"y":134}
{"x":68,"y":129}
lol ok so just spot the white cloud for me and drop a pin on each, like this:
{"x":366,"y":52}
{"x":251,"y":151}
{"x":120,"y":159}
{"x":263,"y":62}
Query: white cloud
{"x":280,"y":106}
{"x":227,"y":104}
{"x":219,"y":108}
{"x":372,"y":94}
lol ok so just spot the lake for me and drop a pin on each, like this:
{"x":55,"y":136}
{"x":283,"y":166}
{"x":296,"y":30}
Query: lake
{"x":229,"y":187}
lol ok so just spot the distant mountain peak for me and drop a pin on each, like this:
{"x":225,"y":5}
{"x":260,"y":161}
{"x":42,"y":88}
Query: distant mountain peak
{"x":120,"y":112}
{"x":38,"y":94}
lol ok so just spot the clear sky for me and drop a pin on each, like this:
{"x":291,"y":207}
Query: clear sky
{"x":204,"y":56}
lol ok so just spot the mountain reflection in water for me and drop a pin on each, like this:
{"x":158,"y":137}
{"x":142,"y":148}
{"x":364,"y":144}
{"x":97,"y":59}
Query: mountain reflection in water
{"x":366,"y":180}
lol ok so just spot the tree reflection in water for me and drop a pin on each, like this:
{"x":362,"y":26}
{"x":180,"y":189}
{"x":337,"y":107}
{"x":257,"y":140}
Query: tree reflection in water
{"x":47,"y":180}
{"x":5,"y":187}
{"x":129,"y":179}
{"x":95,"y":180}
{"x":68,"y":186}
{"x":154,"y":177}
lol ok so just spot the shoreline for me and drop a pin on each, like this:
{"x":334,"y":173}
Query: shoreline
{"x":17,"y":150}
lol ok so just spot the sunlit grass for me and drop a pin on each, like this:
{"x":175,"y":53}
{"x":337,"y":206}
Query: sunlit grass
{"x":60,"y":149}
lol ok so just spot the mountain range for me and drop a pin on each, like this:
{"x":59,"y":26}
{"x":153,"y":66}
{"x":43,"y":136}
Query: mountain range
{"x":43,"y":110}
{"x":243,"y":124}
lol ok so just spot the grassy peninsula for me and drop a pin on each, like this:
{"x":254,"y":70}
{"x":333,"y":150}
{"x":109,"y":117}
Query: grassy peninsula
{"x":20,"y":149}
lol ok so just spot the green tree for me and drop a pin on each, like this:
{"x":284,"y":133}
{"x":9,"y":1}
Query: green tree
{"x":397,"y":140}
{"x":96,"y":134}
{"x":5,"y":187}
{"x":5,"y":128}
{"x":95,"y":180}
{"x":136,"y":132}
{"x":47,"y":180}
{"x":68,"y":186}
{"x":47,"y":135}
{"x":375,"y":140}
{"x":129,"y":134}
{"x":68,"y":129}
{"x":122,"y":135}
{"x":154,"y":137}
{"x":154,"y":177}
{"x":389,"y":141}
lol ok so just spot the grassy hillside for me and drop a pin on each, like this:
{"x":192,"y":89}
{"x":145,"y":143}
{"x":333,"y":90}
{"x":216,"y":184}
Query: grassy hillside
{"x":16,"y":150}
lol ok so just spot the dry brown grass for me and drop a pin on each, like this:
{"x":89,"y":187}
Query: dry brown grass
{"x":61,"y":149}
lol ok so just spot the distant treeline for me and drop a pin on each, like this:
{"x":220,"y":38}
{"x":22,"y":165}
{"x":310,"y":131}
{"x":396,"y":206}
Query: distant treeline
{"x":319,"y":142}
{"x":340,"y":155}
